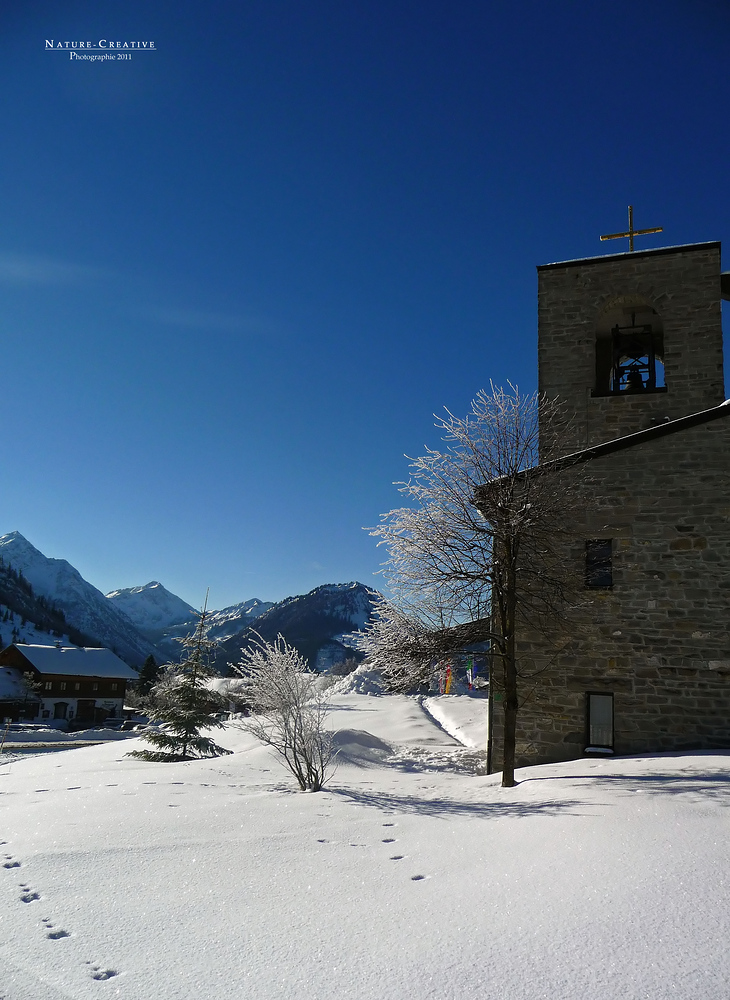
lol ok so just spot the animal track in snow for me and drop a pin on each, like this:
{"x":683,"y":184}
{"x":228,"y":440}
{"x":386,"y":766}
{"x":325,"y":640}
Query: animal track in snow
{"x":29,"y":897}
{"x":102,"y":974}
{"x":10,"y":862}
{"x":388,"y":840}
{"x":57,"y":934}
{"x":396,"y":857}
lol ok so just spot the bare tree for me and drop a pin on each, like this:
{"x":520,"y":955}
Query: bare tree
{"x":479,"y":553}
{"x":289,"y":709}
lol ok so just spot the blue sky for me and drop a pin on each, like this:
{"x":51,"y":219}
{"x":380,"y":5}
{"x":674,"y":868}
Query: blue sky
{"x":240,"y":273}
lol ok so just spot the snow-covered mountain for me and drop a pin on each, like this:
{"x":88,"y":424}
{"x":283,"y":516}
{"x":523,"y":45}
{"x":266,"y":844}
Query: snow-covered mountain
{"x":229,"y":621}
{"x":319,"y":624}
{"x":85,"y":608}
{"x":223,"y":624}
{"x":152,"y":606}
{"x":163,"y":618}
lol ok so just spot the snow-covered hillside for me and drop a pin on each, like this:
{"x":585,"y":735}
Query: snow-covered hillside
{"x":411,"y":878}
{"x":85,"y":607}
{"x":16,"y":628}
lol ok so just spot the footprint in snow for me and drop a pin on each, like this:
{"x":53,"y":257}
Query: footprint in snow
{"x":29,"y":897}
{"x":396,"y":857}
{"x":388,"y":840}
{"x":57,"y":934}
{"x":419,"y":878}
{"x":11,"y":863}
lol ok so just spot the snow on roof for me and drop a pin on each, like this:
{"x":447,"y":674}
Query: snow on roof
{"x":84,"y":662}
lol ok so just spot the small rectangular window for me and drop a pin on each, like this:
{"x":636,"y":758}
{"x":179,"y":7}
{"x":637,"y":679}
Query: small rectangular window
{"x":599,"y":568}
{"x":77,"y":686}
{"x":94,"y":686}
{"x":63,"y":685}
{"x":114,"y":687}
{"x":48,"y":685}
{"x":600,"y":722}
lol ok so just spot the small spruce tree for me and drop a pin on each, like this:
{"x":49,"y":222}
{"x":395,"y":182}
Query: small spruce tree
{"x":148,"y":676}
{"x":188,"y":705}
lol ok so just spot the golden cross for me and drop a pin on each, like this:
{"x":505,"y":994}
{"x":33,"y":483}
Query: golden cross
{"x":631,"y":232}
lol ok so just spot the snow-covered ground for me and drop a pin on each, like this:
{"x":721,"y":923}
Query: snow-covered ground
{"x":413,"y":876}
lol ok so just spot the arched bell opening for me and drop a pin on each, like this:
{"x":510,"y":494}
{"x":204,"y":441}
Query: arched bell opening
{"x":629,"y":350}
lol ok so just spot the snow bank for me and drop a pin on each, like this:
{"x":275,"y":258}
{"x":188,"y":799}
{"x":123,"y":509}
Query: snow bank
{"x":462,"y":716}
{"x":363,"y":680}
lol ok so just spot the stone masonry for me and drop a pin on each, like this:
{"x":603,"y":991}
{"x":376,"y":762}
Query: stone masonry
{"x":658,"y":638}
{"x":681,"y":285}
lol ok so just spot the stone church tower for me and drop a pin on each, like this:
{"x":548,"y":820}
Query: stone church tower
{"x":632,"y":342}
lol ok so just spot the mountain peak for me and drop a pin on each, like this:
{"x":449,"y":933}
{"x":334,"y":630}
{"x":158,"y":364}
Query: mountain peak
{"x":151,"y":606}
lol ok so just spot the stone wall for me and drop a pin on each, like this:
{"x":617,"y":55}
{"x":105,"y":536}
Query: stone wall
{"x":682,"y":285}
{"x":659,"y":639}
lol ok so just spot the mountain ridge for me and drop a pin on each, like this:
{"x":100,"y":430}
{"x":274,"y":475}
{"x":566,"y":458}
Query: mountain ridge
{"x":85,"y":608}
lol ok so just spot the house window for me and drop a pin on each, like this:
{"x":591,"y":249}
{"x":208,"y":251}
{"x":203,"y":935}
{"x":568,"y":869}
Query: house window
{"x":77,"y":686}
{"x":63,"y":685}
{"x":94,"y":686}
{"x":600,"y":722}
{"x":599,"y":568}
{"x":114,"y":687}
{"x":48,"y":685}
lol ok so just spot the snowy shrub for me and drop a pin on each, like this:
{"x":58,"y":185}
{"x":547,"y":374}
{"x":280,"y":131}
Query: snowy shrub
{"x":290,"y":710}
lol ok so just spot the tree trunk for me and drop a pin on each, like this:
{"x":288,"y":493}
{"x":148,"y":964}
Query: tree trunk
{"x":511,"y":703}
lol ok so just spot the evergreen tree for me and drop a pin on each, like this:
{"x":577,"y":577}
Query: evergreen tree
{"x":188,"y":704}
{"x":148,"y":675}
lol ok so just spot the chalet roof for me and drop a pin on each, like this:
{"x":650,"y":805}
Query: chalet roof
{"x":75,"y":660}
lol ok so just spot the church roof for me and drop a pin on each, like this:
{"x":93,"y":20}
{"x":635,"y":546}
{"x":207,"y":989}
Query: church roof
{"x":649,"y":434}
{"x":631,"y":440}
{"x":687,"y":248}
{"x":74,"y":660}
